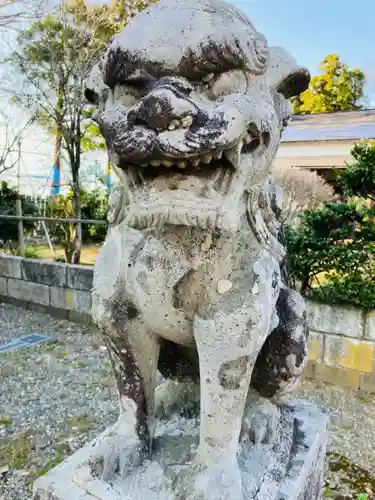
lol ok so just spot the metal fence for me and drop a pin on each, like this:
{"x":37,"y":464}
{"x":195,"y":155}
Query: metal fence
{"x":19,"y":217}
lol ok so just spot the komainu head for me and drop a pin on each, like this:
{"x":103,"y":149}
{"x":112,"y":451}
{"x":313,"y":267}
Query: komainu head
{"x":192,"y":103}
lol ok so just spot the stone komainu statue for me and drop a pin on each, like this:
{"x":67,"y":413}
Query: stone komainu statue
{"x":192,"y":103}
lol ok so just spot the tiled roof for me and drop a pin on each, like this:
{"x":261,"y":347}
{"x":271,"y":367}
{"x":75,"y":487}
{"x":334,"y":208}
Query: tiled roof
{"x":331,"y":127}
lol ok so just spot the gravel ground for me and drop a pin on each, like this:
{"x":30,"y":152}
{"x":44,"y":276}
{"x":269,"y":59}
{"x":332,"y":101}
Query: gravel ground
{"x":53,"y":397}
{"x":56,"y":396}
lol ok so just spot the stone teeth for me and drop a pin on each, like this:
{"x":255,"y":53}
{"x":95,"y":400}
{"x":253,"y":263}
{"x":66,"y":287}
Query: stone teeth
{"x":155,"y":163}
{"x":181,"y":164}
{"x":187,"y":121}
{"x":207,"y":159}
{"x":202,"y":222}
{"x":233,"y":155}
{"x":195,"y":162}
{"x":207,"y":242}
{"x":168,"y":163}
{"x":218,"y":155}
{"x":133,"y":177}
{"x":216,"y":176}
{"x":173,"y":125}
{"x":160,"y":222}
{"x":140,"y":175}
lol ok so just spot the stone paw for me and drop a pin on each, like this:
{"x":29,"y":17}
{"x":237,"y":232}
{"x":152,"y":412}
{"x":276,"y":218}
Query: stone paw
{"x":260,"y":422}
{"x":220,"y":481}
{"x":116,"y":455}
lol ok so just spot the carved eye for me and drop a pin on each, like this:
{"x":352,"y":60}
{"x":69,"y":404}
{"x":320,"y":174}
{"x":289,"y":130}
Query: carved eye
{"x":143,"y":82}
{"x":181,"y":84}
{"x":230,"y":82}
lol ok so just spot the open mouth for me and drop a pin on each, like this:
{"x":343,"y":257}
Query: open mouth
{"x":212,"y":166}
{"x":188,"y":191}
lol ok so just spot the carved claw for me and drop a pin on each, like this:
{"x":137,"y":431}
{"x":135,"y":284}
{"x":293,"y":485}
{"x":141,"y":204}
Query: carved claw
{"x":220,"y":480}
{"x":260,"y":422}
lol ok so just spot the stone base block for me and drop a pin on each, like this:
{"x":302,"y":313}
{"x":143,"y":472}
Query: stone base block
{"x":292,"y":469}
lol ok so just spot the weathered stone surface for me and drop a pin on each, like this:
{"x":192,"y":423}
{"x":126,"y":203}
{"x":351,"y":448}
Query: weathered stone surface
{"x":336,"y":319}
{"x":295,"y":472}
{"x":316,"y":346}
{"x":47,"y":273}
{"x":10,"y":266}
{"x":28,"y":291}
{"x":367,"y":382}
{"x":58,"y":484}
{"x":80,"y":317}
{"x":309,"y":370}
{"x":335,"y":375}
{"x":349,"y":353}
{"x":3,"y":286}
{"x":71,"y":300}
{"x":80,"y":277}
{"x":370,"y":325}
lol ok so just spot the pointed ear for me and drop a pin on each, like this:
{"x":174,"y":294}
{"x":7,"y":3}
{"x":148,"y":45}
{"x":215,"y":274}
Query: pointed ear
{"x":285,"y":75}
{"x":95,"y":86}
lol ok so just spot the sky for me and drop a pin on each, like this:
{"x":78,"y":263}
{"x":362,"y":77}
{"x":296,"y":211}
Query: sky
{"x":309,"y":30}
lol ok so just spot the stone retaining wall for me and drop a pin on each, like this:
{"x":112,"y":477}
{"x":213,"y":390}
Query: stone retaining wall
{"x":342,"y":346}
{"x":342,"y":339}
{"x":60,"y":289}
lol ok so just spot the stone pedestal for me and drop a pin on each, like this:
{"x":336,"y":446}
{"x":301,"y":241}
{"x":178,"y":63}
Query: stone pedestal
{"x":292,"y":469}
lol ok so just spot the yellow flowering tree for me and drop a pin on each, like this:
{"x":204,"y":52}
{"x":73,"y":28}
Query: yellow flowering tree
{"x":337,"y":88}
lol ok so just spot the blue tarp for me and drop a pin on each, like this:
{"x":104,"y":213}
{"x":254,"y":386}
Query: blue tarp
{"x":55,"y":189}
{"x":24,"y":341}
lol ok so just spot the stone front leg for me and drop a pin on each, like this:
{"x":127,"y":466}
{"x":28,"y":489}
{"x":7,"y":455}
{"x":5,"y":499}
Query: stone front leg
{"x":225,"y":373}
{"x":227,"y":340}
{"x":133,"y":351}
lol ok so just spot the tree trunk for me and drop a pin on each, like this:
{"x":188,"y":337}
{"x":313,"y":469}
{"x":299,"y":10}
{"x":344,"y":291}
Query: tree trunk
{"x":304,"y":285}
{"x":75,"y":166}
{"x":76,"y":235}
{"x":59,"y":136}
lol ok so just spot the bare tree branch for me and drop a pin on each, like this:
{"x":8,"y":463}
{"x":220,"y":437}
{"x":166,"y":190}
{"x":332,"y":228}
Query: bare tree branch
{"x":13,"y":12}
{"x":11,"y":137}
{"x":303,"y":189}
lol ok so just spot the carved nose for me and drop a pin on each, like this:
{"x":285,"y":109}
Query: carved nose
{"x":161,"y":109}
